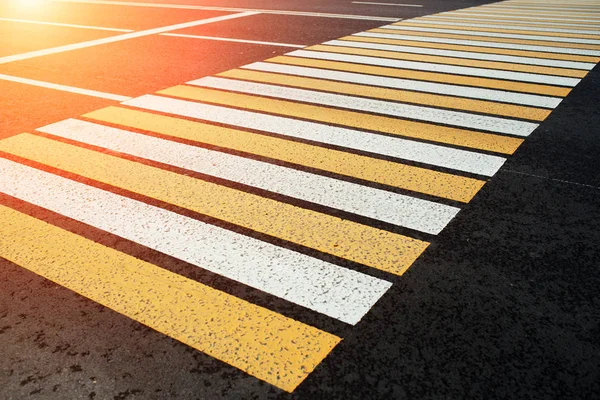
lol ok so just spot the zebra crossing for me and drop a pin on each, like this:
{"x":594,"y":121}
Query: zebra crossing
{"x":361,"y":148}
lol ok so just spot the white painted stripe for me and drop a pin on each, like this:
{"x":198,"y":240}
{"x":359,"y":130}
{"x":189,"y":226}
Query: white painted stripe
{"x":321,"y":133}
{"x":494,"y":34}
{"x":326,"y":288}
{"x":419,"y":86}
{"x":547,"y":49}
{"x":505,"y":21}
{"x":428,"y":114}
{"x":300,"y":46}
{"x":464,"y":54}
{"x":440,"y":68}
{"x":63,"y":88}
{"x":556,"y":19}
{"x":232,"y":9}
{"x":118,"y":38}
{"x":534,"y":9}
{"x":545,"y":11}
{"x":410,"y":212}
{"x":100,"y":28}
{"x":387,"y":4}
{"x":504,"y":26}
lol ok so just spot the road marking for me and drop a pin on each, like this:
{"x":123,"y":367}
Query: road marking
{"x":479,"y":34}
{"x":262,"y":343}
{"x":387,"y":4}
{"x":438,"y":39}
{"x":335,"y":161}
{"x":412,"y":129}
{"x":100,"y":28}
{"x":469,"y":48}
{"x":502,"y":27}
{"x":316,"y":81}
{"x":540,"y":12}
{"x":118,"y":38}
{"x":504,"y":21}
{"x":392,"y":208}
{"x":339,"y":47}
{"x":232,"y":9}
{"x":460,"y":119}
{"x":336,"y":72}
{"x":413,"y":178}
{"x":531,"y":18}
{"x":63,"y":88}
{"x":391,"y":68}
{"x":334,"y":291}
{"x":300,"y":46}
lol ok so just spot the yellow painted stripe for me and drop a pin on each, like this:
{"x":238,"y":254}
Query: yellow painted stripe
{"x":339,"y":162}
{"x":379,"y":249}
{"x":549,"y":42}
{"x":480,"y":106}
{"x":541,"y":12}
{"x":476,"y":49}
{"x":267,"y":345}
{"x":523,"y":23}
{"x":395,"y":126}
{"x":510,"y":20}
{"x":451,"y":60}
{"x":425,"y":76}
{"x":498,"y":30}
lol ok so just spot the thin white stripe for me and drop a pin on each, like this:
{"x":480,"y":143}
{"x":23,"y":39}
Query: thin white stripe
{"x":428,"y":114}
{"x":100,"y":28}
{"x":504,"y":26}
{"x":464,"y":54}
{"x":546,"y":11}
{"x":64,"y":88}
{"x":397,"y":209}
{"x":326,"y":288}
{"x":506,"y":21}
{"x":321,"y":133}
{"x":117,"y":38}
{"x":440,"y":68}
{"x":387,"y":4}
{"x":419,"y":86}
{"x":300,"y":46}
{"x":537,"y":8}
{"x":232,"y":9}
{"x":547,"y":49}
{"x":493,"y":34}
{"x":532,"y":17}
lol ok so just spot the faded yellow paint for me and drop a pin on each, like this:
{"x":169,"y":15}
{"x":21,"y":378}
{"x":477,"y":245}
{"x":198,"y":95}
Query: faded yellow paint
{"x":426,"y":76}
{"x":466,"y":36}
{"x":499,"y":30}
{"x":480,"y":106}
{"x":522,"y":23}
{"x":376,"y":248}
{"x":265,"y":344}
{"x":476,"y":49}
{"x":510,"y":19}
{"x":339,"y":162}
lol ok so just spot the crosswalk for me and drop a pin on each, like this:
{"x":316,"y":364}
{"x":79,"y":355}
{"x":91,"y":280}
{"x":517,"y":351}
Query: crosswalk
{"x":361,"y":149}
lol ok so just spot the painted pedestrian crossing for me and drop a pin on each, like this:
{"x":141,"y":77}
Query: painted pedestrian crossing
{"x":360,"y":149}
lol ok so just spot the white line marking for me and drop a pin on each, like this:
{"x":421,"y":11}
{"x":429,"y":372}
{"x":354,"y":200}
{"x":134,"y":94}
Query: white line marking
{"x":557,"y":19}
{"x":504,"y":26}
{"x":118,"y":38}
{"x":387,"y":4}
{"x":546,"y":49}
{"x":464,"y":54}
{"x":326,"y":288}
{"x":100,"y":28}
{"x":322,"y":133}
{"x":419,"y":86}
{"x":534,"y":8}
{"x":427,"y":114}
{"x":440,"y":68}
{"x":493,"y":34}
{"x":233,"y":9}
{"x":300,"y":46}
{"x":507,"y":21}
{"x":410,"y":212}
{"x":71,"y":89}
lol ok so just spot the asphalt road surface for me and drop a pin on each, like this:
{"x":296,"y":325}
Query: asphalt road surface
{"x":299,"y":199}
